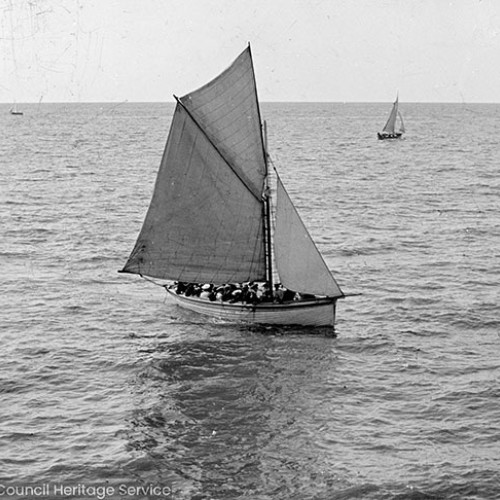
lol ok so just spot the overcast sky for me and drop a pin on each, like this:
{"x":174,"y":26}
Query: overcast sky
{"x":304,"y":50}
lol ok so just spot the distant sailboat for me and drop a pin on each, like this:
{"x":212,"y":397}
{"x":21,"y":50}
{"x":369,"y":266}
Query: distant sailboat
{"x":14,"y":111}
{"x":389,"y":130}
{"x":209,"y":221}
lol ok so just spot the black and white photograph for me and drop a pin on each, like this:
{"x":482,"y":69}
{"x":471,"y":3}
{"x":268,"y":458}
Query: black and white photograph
{"x":250,"y":250}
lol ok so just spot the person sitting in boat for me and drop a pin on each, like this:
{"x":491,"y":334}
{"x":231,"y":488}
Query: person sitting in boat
{"x":205,"y":291}
{"x":257,"y":290}
{"x":180,"y":287}
{"x":236,"y":296}
{"x":227,"y":293}
{"x":251,"y":296}
{"x":278,"y":293}
{"x":267,"y":295}
{"x":244,"y":292}
{"x":192,"y":290}
{"x":219,"y":292}
{"x":288,"y":295}
{"x":245,"y":295}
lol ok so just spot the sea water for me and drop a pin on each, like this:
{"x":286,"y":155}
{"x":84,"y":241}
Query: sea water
{"x":109,"y":391}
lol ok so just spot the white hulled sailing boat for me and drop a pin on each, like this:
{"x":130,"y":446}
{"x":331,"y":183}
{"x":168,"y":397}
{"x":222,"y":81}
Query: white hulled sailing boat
{"x":209,"y":221}
{"x":389,"y":130}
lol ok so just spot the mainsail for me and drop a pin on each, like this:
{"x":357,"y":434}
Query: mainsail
{"x":300,"y":265}
{"x":204,"y":223}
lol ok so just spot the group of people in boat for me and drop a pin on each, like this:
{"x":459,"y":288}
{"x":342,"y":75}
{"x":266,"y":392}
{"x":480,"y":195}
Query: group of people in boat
{"x":246,"y":293}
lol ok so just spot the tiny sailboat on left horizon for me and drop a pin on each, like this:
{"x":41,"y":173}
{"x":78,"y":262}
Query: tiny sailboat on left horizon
{"x":15,"y":111}
{"x":209,"y":223}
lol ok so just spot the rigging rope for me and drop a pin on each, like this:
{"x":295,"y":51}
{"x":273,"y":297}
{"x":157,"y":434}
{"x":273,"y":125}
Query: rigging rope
{"x":152,"y":281}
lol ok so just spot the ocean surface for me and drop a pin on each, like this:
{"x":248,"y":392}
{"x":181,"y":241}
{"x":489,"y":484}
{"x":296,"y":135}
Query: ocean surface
{"x":106,"y":384}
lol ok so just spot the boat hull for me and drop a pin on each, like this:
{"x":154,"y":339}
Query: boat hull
{"x":317,"y":312}
{"x":383,"y":136}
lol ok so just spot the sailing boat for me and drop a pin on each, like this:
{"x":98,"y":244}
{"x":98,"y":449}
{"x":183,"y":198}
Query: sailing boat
{"x":389,"y":130}
{"x":14,"y":111}
{"x":209,"y":220}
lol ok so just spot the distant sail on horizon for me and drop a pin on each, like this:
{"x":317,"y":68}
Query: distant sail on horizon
{"x":389,"y":130}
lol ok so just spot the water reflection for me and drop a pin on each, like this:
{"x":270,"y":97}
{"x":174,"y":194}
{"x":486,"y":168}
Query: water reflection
{"x":235,"y":414}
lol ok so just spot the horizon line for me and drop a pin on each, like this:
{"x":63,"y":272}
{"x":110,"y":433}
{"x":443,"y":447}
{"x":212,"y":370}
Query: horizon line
{"x":126,"y":101}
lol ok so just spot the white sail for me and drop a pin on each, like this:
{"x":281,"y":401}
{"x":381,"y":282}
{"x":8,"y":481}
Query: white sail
{"x":300,"y":265}
{"x":203,"y":223}
{"x":402,"y":127}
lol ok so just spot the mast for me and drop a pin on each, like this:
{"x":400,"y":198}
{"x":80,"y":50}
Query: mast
{"x":267,"y":215}
{"x":267,"y":190}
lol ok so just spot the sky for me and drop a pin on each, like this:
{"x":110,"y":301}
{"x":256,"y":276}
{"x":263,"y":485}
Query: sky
{"x":303,"y":50}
